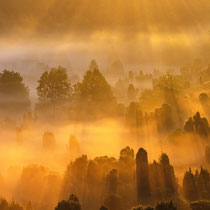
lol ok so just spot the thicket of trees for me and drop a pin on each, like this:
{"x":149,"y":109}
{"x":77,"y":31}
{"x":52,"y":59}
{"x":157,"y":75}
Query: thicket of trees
{"x":71,"y":204}
{"x":121,"y":183}
{"x":94,"y":98}
{"x":196,"y":186}
{"x":198,"y":125}
{"x":106,"y":182}
{"x":13,"y":205}
{"x":114,"y":181}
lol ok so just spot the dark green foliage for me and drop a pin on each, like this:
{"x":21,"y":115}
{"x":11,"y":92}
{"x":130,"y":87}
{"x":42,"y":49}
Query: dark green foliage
{"x":142,"y":177}
{"x":71,"y":204}
{"x":14,"y":94}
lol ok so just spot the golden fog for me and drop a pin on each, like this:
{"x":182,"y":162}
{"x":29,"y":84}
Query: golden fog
{"x":84,"y":84}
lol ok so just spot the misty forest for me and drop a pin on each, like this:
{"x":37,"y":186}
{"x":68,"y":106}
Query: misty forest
{"x":104,"y":105}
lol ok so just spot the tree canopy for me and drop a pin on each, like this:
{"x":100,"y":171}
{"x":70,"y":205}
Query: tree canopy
{"x":71,"y":204}
{"x":94,"y":94}
{"x":14,"y":94}
{"x":54,"y":87}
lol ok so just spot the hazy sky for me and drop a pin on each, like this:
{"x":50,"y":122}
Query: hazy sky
{"x":138,"y":31}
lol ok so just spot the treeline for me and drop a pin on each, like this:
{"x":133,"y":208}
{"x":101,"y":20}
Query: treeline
{"x":123,"y":183}
{"x":56,"y":97}
{"x":94,"y":98}
{"x":107,"y":183}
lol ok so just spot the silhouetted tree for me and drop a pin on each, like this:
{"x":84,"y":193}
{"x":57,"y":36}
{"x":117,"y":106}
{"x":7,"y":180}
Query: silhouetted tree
{"x":132,"y":92}
{"x":75,"y":178}
{"x":201,"y":125}
{"x":203,"y":98}
{"x":103,"y":208}
{"x":71,"y":204}
{"x":93,"y":186}
{"x":134,"y":117}
{"x":168,"y":176}
{"x":93,"y":65}
{"x":5,"y":205}
{"x":197,"y":125}
{"x":189,"y":186}
{"x":112,"y":181}
{"x":127,"y":155}
{"x":164,"y":118}
{"x":54,"y":87}
{"x":142,"y":177}
{"x":14,"y":94}
{"x":189,"y":125}
{"x":203,"y":184}
{"x":155,"y":181}
{"x":126,"y":168}
{"x":94,"y":94}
